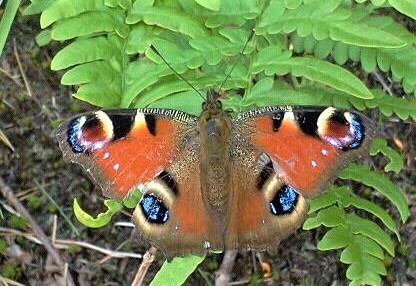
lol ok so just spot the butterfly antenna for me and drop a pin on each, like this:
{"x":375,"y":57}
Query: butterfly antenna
{"x":177,"y":74}
{"x":236,"y":62}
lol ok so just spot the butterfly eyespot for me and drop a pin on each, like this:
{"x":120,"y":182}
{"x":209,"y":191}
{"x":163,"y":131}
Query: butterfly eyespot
{"x":344,"y":131}
{"x":284,"y":201}
{"x":89,"y":133}
{"x":153,"y":208}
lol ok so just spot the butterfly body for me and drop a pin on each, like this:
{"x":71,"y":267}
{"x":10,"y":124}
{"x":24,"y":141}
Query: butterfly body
{"x":214,"y":182}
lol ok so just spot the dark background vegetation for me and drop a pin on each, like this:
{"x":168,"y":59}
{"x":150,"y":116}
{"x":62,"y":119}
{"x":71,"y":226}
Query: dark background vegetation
{"x":46,"y":185}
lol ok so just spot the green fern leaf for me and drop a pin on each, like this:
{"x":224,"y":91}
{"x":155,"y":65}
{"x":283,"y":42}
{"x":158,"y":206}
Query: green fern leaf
{"x":213,"y":5}
{"x":323,"y":201}
{"x":325,"y":19}
{"x":407,"y":7}
{"x":372,"y":208}
{"x":167,"y":18}
{"x":97,"y":48}
{"x":370,"y":229}
{"x":43,"y":38}
{"x":330,"y":217}
{"x":90,"y":23}
{"x":61,"y":9}
{"x":364,"y":175}
{"x":37,"y":7}
{"x":188,"y":101}
{"x":396,"y":160}
{"x":124,"y":4}
{"x":359,"y":244}
{"x":142,"y":74}
{"x":337,"y":237}
{"x":317,"y":70}
{"x":366,"y":259}
{"x":89,"y":76}
{"x":345,"y":198}
{"x":176,"y":272}
{"x":140,"y":38}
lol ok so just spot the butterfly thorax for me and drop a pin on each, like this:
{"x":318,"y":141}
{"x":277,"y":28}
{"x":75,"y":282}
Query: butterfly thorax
{"x":215,"y":167}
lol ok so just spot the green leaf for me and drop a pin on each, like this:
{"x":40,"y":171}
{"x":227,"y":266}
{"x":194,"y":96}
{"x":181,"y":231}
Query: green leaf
{"x":316,"y":70}
{"x":167,"y":18}
{"x":407,"y":7}
{"x":102,"y":219}
{"x":329,"y":217}
{"x":325,"y":19}
{"x":213,"y":5}
{"x":372,"y":208}
{"x":97,"y":48}
{"x":364,"y":175}
{"x":6,"y":21}
{"x":90,"y":23}
{"x":176,"y":272}
{"x":370,"y":229}
{"x":132,"y":198}
{"x":361,"y":244}
{"x":43,"y":38}
{"x":337,"y":237}
{"x":389,"y":104}
{"x":37,"y":7}
{"x":61,"y":9}
{"x":396,"y":161}
{"x":323,"y":201}
{"x":187,"y":101}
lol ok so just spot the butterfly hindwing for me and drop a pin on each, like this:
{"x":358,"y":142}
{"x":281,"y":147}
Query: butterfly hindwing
{"x":264,"y":210}
{"x":184,"y":226}
{"x":284,"y":155}
{"x":122,"y":148}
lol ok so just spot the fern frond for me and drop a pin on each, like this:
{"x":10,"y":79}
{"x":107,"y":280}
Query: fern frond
{"x":177,"y":271}
{"x":396,"y":161}
{"x":397,"y":60}
{"x":324,"y":19}
{"x":382,"y":184}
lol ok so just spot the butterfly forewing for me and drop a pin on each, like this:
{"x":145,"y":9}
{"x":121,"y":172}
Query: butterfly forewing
{"x":122,"y":148}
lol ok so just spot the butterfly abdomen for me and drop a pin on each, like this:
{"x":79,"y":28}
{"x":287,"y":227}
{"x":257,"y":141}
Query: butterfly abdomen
{"x":215,"y":164}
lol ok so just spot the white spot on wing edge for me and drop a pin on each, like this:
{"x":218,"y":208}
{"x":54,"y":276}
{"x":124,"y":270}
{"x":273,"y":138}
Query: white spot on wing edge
{"x":116,"y":166}
{"x":289,"y":115}
{"x":106,"y":123}
{"x":324,"y":152}
{"x":139,"y":120}
{"x":106,"y":155}
{"x":322,"y":119}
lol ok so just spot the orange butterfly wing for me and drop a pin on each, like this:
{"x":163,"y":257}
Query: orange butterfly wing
{"x":281,"y":155}
{"x":122,"y":148}
{"x":308,"y":146}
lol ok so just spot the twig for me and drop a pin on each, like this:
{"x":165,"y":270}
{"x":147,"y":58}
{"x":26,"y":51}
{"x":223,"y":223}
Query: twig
{"x":66,"y":243}
{"x":381,"y":80}
{"x":148,"y":258}
{"x":9,"y":195}
{"x":9,"y":282}
{"x":223,"y":274}
{"x":12,"y":77}
{"x":16,"y":54}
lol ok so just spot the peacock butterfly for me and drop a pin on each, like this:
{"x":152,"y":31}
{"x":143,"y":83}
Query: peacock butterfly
{"x":213,"y":182}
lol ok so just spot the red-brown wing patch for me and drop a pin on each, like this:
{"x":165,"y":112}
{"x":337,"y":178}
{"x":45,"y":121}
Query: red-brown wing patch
{"x":302,"y":159}
{"x":121,"y":149}
{"x":308,"y":147}
{"x":187,"y":227}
